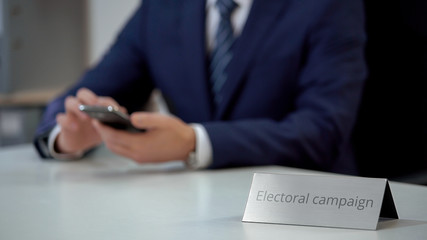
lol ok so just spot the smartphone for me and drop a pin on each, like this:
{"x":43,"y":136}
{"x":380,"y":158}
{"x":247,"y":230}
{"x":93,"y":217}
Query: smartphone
{"x":110,"y":116}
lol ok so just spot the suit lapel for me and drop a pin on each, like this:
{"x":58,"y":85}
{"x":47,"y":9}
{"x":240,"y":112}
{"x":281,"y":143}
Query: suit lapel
{"x":262,"y":16}
{"x":194,"y":57}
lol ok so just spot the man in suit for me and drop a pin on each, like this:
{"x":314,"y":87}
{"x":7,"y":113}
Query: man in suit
{"x":289,"y":88}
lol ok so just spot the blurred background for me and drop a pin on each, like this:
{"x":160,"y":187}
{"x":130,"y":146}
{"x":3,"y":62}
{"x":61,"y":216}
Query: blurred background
{"x":46,"y":45}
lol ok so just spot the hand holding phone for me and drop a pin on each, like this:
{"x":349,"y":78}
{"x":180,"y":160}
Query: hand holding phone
{"x":110,"y":116}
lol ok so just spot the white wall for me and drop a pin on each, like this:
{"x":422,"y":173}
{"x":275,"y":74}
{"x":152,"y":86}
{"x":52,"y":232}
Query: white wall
{"x":105,"y":19}
{"x":44,"y":43}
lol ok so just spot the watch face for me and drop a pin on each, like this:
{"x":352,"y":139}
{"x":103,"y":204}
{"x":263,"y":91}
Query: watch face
{"x":192,"y":162}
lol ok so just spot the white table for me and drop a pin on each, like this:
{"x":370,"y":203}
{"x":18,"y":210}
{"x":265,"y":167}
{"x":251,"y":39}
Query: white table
{"x":106,"y":197}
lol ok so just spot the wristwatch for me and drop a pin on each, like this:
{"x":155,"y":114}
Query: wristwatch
{"x":191,"y":161}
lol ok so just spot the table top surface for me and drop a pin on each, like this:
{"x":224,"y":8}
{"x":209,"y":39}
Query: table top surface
{"x":108,"y":197}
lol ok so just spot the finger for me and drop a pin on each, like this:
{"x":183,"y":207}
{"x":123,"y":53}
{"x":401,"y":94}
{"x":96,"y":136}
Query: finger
{"x":126,"y":151}
{"x":113,"y":140}
{"x":67,"y":122}
{"x":121,"y":142}
{"x":145,"y":120}
{"x":111,"y":135}
{"x":86,"y":96}
{"x":106,"y":101}
{"x":119,"y":150}
{"x":72,"y":107}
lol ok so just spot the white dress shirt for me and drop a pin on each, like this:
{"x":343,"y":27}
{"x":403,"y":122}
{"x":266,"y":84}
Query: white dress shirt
{"x":203,"y":154}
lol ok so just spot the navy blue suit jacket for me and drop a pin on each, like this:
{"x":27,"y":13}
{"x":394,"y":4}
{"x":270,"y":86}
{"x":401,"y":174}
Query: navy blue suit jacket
{"x":293,"y":88}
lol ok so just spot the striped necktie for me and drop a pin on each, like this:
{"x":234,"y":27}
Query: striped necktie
{"x":221,"y":54}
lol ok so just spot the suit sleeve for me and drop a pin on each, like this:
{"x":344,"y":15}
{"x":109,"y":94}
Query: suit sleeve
{"x":316,"y":134}
{"x":121,"y":74}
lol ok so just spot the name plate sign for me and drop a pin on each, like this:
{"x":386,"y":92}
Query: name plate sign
{"x":318,"y":200}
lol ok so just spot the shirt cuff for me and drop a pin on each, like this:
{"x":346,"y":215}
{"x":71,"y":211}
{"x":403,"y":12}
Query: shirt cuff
{"x":202,"y":157}
{"x":60,"y":156}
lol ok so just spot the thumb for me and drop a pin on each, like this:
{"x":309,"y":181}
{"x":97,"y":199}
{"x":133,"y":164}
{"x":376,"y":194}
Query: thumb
{"x":146,"y":120}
